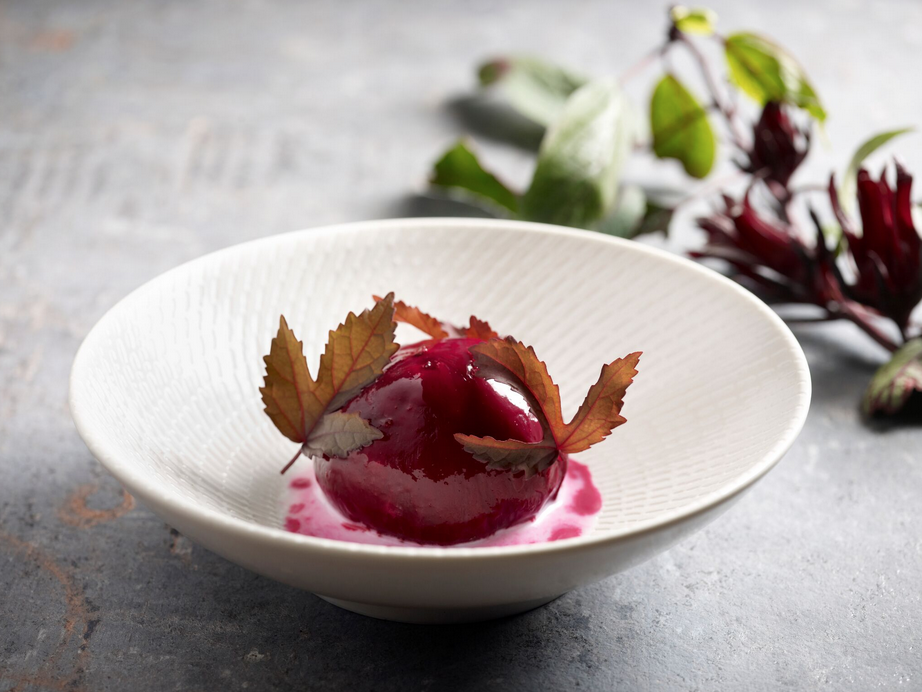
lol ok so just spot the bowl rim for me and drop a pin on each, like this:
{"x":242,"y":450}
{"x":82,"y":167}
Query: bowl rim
{"x":157,"y":494}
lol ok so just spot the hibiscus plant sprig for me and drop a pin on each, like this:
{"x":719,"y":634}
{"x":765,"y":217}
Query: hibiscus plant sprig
{"x":768,"y":236}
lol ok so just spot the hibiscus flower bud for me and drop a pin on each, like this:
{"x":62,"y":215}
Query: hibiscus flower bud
{"x":887,"y":252}
{"x":769,"y":254}
{"x":778,"y":147}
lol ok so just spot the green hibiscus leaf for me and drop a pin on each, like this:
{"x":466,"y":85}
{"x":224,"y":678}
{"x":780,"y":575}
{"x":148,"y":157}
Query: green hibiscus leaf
{"x":627,"y":214}
{"x":535,"y":88}
{"x":459,"y":171}
{"x":767,"y":72}
{"x":635,"y":214}
{"x":580,"y":160}
{"x":680,"y":128}
{"x":893,"y":384}
{"x":656,"y":218}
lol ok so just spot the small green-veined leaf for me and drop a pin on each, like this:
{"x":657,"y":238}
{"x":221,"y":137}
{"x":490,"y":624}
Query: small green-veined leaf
{"x":533,"y":457}
{"x":696,"y":20}
{"x":680,"y":128}
{"x":535,"y":88}
{"x":338,"y":434}
{"x":460,"y":171}
{"x":892,"y":385}
{"x":767,"y":72}
{"x":849,"y":187}
{"x":579,"y":164}
{"x":635,"y":214}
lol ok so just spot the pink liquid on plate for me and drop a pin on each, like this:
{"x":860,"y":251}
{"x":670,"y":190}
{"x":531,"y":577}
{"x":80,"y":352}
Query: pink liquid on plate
{"x":573,"y":513}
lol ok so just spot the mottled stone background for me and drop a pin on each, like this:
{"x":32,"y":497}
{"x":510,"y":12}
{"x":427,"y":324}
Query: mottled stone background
{"x":137,"y":135}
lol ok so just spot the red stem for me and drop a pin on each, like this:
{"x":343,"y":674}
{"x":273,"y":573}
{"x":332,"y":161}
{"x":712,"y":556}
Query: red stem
{"x":708,"y":188}
{"x":293,"y":460}
{"x":853,"y":314}
{"x":830,"y":317}
{"x":802,"y":189}
{"x":641,"y":64}
{"x":728,"y":110}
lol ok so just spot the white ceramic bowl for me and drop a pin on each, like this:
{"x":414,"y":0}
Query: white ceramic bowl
{"x":164,"y":392}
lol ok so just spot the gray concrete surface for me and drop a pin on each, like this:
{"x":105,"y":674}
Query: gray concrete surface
{"x":137,"y":135}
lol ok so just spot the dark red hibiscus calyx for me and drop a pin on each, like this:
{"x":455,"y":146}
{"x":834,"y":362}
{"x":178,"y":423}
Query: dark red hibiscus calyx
{"x":887,"y":252}
{"x":778,"y":147}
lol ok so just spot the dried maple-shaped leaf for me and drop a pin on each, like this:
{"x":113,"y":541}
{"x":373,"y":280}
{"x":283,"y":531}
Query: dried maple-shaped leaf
{"x":287,"y":392}
{"x":417,"y":318}
{"x":480,"y":329}
{"x":600,"y":412}
{"x":516,"y":364}
{"x":301,"y":407}
{"x":437,"y":329}
{"x":356,"y":353}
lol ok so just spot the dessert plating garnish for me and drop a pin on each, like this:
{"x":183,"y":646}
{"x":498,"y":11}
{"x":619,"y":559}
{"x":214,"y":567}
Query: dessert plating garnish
{"x":307,"y":410}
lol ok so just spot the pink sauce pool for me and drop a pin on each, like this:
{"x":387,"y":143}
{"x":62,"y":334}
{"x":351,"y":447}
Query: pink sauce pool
{"x":572,"y":514}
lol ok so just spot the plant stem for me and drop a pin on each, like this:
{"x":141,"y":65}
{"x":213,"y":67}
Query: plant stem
{"x":728,"y":110}
{"x":642,"y":64}
{"x":814,"y":320}
{"x":801,"y":189}
{"x":708,"y":187}
{"x":859,"y":318}
{"x":293,"y":460}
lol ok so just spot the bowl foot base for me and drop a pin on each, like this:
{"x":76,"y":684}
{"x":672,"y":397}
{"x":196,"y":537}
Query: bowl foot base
{"x":432,"y":616}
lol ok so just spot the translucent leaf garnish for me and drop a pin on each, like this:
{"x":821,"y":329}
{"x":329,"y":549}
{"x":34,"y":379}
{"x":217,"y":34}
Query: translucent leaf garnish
{"x":533,"y":457}
{"x":337,"y":434}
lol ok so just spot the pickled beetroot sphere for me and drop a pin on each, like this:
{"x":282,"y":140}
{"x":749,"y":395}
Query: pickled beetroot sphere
{"x":417,"y":482}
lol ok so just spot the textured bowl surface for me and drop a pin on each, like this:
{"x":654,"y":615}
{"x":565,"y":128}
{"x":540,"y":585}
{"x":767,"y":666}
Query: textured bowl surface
{"x":164,"y":392}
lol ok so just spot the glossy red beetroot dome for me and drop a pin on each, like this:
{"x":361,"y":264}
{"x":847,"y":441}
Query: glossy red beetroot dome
{"x":417,"y":482}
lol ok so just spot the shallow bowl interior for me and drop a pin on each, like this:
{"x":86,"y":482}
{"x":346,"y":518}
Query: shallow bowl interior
{"x":180,"y":361}
{"x":165,"y":388}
